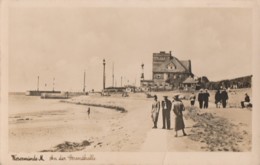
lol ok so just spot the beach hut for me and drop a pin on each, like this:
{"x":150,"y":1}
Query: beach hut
{"x":189,"y":84}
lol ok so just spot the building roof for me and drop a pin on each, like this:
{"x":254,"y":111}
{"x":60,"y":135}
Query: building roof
{"x":180,"y":66}
{"x":186,"y":63}
{"x":189,"y":80}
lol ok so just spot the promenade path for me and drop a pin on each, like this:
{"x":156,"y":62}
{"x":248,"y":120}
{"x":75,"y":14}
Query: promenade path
{"x":162,"y":140}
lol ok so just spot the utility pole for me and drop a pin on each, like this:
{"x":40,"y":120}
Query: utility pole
{"x":53,"y":83}
{"x":104,"y":75}
{"x":121,"y":80}
{"x":142,"y":75}
{"x":84,"y":83}
{"x":113,"y":76}
{"x":38,"y":83}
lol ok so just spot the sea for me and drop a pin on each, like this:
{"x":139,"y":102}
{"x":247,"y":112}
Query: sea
{"x":20,"y":103}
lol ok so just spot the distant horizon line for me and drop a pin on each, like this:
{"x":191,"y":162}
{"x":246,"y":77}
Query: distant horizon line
{"x":101,"y":89}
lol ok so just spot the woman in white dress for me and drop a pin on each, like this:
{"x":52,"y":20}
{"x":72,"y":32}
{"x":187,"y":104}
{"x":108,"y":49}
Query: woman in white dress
{"x":155,"y":111}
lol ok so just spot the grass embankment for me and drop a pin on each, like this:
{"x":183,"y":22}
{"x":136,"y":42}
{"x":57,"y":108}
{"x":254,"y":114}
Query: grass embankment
{"x":217,"y":133}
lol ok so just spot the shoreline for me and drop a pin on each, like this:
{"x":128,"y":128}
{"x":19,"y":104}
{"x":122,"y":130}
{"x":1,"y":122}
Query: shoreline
{"x":69,"y":128}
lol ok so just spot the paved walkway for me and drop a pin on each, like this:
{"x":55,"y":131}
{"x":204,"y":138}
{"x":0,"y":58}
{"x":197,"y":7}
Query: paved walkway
{"x":156,"y":140}
{"x":163,"y":140}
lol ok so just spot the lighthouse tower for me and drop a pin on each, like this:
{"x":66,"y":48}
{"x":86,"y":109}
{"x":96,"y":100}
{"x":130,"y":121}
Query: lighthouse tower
{"x":142,"y":75}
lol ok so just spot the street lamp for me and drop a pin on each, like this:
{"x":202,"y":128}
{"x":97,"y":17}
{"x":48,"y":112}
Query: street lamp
{"x":104,"y":74}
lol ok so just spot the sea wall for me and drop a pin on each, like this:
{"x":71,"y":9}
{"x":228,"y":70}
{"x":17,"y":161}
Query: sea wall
{"x":96,"y":102}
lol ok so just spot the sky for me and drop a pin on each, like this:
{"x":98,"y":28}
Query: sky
{"x":60,"y":43}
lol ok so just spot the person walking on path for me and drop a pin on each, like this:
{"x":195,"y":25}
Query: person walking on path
{"x":218,"y":99}
{"x":178,"y":107}
{"x":201,"y":98}
{"x":166,"y":110}
{"x":88,"y":111}
{"x":246,"y":102}
{"x":192,"y":99}
{"x":224,"y":98}
{"x":206,"y":99}
{"x":155,"y":111}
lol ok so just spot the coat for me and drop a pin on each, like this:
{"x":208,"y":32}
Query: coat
{"x":206,"y":96}
{"x":201,"y":96}
{"x":217,"y":97}
{"x":247,"y":99}
{"x":168,"y":105}
{"x":224,"y":96}
{"x":178,"y":107}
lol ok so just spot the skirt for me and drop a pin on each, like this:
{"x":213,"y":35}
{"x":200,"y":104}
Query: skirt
{"x":179,"y":123}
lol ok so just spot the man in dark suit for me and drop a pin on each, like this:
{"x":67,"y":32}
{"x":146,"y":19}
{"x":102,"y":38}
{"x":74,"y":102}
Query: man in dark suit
{"x":201,"y":98}
{"x":224,"y":98}
{"x":246,"y":102}
{"x":166,"y":110}
{"x":206,"y":99}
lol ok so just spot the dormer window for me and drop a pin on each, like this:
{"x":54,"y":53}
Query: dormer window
{"x":171,"y":66}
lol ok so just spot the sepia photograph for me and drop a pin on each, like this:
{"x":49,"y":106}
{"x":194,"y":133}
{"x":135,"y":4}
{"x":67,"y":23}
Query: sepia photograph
{"x":129,"y":80}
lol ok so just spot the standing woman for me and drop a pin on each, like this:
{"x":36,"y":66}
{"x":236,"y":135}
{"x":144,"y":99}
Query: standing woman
{"x":192,"y":99}
{"x":155,"y":111}
{"x":218,"y":99}
{"x":178,"y":107}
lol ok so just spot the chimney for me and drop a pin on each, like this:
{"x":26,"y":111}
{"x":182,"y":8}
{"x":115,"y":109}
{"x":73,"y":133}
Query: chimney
{"x":171,"y":57}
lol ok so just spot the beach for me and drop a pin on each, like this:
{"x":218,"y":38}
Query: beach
{"x":37,"y":125}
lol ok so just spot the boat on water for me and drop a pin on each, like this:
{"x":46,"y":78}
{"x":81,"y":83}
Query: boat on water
{"x":64,"y":95}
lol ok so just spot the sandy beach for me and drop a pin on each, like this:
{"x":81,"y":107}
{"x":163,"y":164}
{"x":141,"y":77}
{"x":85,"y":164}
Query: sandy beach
{"x":66,"y":127}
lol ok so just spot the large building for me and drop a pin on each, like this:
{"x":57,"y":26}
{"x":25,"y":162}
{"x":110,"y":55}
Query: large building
{"x":168,"y":72}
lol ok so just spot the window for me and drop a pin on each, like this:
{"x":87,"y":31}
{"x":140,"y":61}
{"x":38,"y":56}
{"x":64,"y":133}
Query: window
{"x":171,"y":66}
{"x":157,"y":76}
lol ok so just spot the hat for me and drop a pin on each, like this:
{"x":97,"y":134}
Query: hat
{"x":155,"y":96}
{"x":176,"y":96}
{"x":165,"y":96}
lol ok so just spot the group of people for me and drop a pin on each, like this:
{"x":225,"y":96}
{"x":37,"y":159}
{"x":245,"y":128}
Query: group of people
{"x":203,"y":98}
{"x":221,"y":97}
{"x":166,"y":105}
